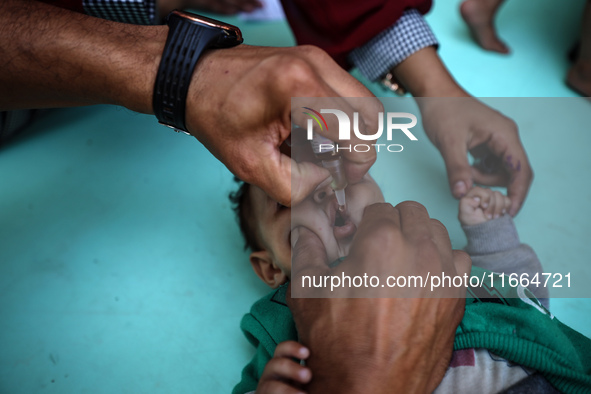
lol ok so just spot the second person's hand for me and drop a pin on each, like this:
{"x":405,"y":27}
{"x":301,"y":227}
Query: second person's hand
{"x":407,"y":329}
{"x":457,"y":125}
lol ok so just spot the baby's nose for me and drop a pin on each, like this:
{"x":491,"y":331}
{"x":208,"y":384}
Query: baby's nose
{"x":322,"y":194}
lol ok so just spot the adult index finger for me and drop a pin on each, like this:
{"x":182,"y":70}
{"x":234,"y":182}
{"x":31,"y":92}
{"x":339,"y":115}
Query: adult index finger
{"x":521,"y":179}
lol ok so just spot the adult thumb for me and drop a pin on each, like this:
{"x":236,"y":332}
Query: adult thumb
{"x":308,"y":254}
{"x":459,"y":173}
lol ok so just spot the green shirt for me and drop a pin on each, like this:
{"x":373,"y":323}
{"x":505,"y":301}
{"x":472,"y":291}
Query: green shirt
{"x":509,"y":322}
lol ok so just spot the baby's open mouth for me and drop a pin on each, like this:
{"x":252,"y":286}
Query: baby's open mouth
{"x":339,"y":221}
{"x":343,"y":226}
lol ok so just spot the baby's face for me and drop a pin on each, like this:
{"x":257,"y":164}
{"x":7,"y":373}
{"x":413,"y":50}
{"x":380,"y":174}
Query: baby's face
{"x":318,"y":213}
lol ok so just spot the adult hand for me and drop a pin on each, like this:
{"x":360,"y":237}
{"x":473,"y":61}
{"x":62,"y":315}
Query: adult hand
{"x":239,"y":106}
{"x":239,"y":99}
{"x":380,"y":345}
{"x":457,"y":125}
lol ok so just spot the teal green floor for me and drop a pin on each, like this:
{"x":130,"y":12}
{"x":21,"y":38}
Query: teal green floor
{"x":121,"y":267}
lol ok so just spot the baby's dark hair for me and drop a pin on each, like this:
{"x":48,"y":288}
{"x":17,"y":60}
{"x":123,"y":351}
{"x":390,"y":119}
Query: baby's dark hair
{"x":242,"y":206}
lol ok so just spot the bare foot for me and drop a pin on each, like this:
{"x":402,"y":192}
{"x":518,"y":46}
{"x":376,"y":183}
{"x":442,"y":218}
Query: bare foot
{"x":481,"y":205}
{"x":578,"y":78}
{"x":479,"y":16}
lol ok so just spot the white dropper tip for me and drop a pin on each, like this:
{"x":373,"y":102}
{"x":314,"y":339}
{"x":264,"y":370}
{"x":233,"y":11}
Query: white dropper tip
{"x":340,"y":194}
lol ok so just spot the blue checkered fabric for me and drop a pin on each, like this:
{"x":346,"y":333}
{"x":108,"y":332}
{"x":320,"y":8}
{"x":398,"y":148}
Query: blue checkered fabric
{"x":139,"y":12}
{"x":389,"y":48}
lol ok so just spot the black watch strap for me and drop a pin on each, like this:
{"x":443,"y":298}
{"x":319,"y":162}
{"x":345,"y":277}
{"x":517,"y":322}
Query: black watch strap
{"x":184,"y":44}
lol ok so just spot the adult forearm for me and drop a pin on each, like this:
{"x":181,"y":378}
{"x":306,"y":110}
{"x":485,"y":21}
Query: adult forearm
{"x":52,"y":57}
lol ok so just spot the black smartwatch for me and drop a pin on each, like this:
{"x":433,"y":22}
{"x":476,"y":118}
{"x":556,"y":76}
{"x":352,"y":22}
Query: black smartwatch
{"x":188,"y":36}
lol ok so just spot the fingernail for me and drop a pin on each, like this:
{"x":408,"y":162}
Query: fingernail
{"x":489,"y":216}
{"x":305,"y":374}
{"x":304,"y":352}
{"x":477,"y":199}
{"x":504,"y":211}
{"x":496,"y":216}
{"x":459,"y":189}
{"x":484,"y":205}
{"x":295,"y":235}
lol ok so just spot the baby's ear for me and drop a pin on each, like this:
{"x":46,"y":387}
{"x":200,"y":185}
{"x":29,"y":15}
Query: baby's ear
{"x":266,"y":269}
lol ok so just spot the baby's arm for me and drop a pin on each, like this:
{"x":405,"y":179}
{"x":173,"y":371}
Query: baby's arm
{"x":493,"y":243}
{"x":282,"y":374}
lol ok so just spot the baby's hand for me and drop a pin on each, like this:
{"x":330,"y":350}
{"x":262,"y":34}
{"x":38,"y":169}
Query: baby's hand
{"x":282,"y":374}
{"x":481,"y":205}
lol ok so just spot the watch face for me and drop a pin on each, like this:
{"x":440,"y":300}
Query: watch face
{"x":231,"y":34}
